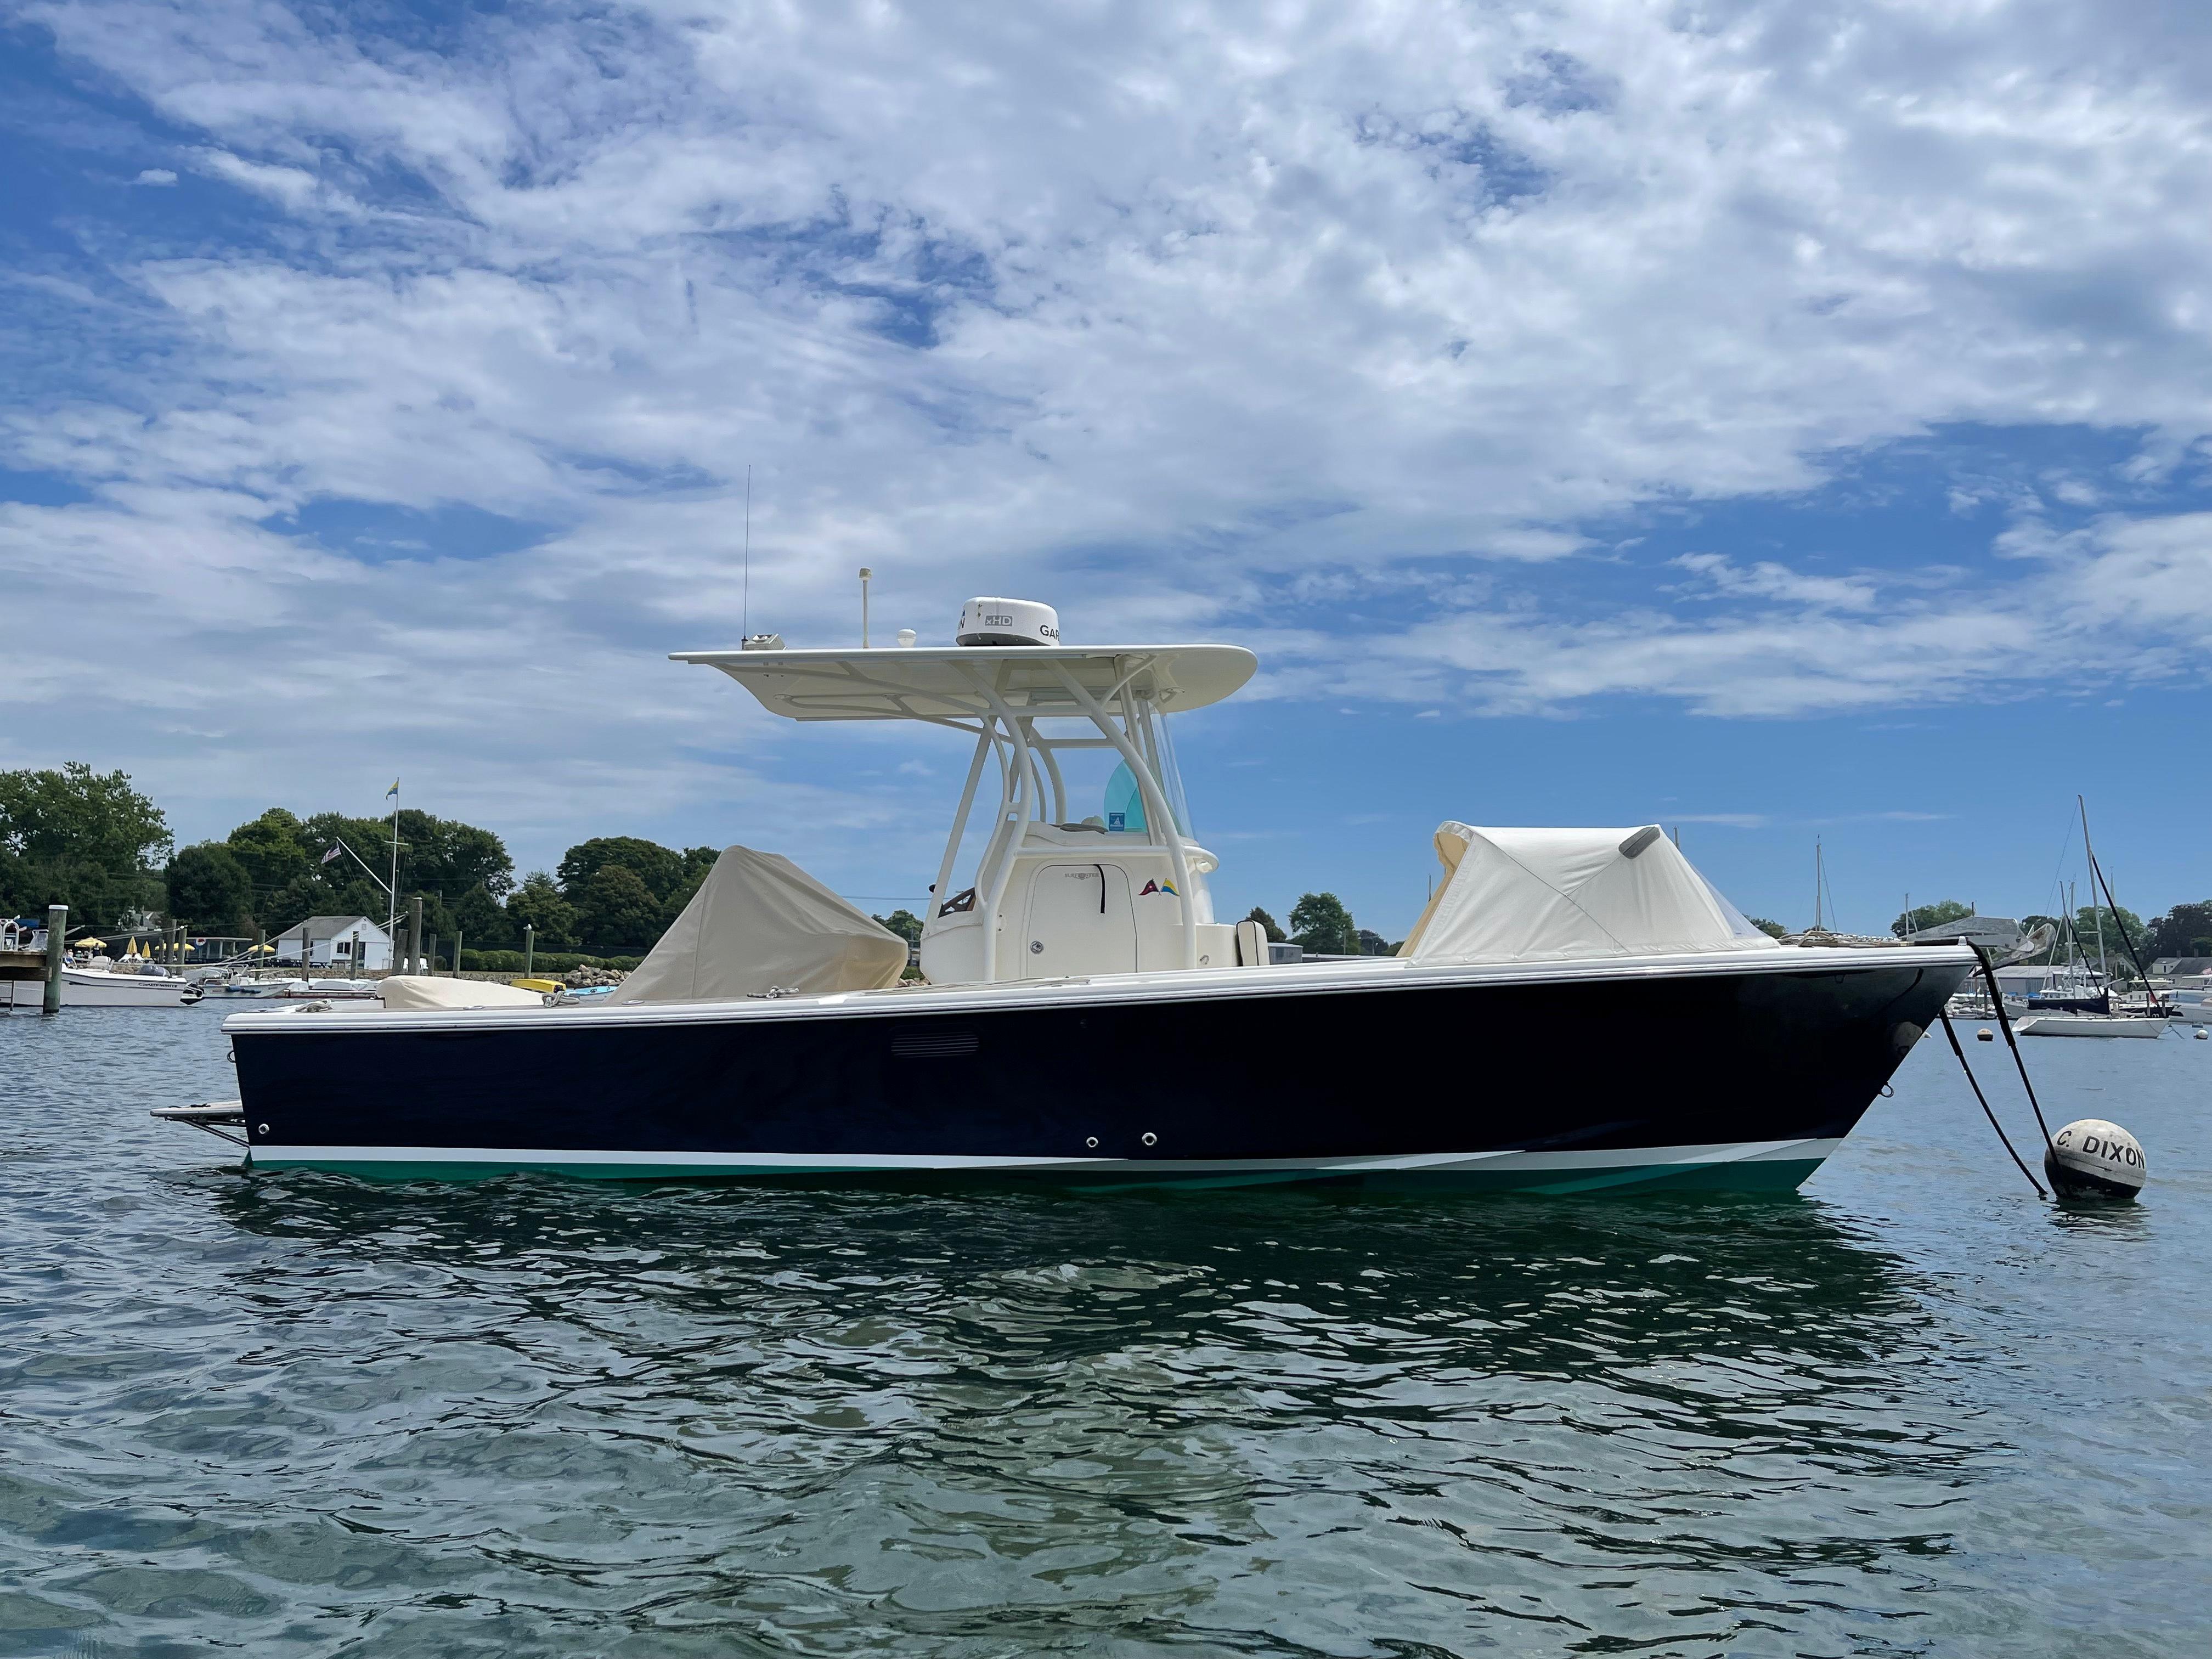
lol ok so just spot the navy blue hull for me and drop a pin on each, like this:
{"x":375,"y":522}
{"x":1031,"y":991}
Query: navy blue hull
{"x":1394,"y":1082}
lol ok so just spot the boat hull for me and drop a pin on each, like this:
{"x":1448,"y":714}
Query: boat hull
{"x":88,"y":988}
{"x":2091,"y":1025}
{"x":1707,"y":1079}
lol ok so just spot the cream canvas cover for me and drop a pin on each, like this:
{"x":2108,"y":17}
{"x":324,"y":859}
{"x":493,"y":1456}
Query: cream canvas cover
{"x":413,"y":992}
{"x":1553,"y":895}
{"x":759,"y":923}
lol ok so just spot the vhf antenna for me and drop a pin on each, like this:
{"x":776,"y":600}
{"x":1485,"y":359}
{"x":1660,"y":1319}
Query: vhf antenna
{"x":745,"y":601}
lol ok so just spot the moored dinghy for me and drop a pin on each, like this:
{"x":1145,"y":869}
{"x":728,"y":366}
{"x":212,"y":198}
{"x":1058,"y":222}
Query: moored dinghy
{"x":1088,"y":1020}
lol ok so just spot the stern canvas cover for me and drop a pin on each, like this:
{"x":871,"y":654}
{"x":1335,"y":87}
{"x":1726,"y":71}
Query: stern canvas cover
{"x":759,"y":922}
{"x":415,"y":993}
{"x":1552,"y":895}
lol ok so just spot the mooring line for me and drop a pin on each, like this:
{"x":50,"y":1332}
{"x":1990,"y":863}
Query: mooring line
{"x":1997,"y":1001}
{"x":1951,"y":1032}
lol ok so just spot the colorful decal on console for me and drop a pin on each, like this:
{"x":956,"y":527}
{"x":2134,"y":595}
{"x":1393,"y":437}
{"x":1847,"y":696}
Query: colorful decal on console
{"x":1158,"y":887}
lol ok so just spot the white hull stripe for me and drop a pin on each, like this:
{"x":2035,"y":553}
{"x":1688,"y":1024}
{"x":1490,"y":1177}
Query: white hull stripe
{"x":1632,"y":1158}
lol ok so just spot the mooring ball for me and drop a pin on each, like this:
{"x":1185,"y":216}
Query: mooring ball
{"x":2094,"y":1158}
{"x":1985,"y":1035}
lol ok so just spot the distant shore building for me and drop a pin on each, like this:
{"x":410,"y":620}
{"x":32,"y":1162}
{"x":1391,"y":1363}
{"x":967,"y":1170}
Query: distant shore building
{"x":334,"y":941}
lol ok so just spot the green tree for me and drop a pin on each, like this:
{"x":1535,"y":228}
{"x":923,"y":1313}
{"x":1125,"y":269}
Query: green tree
{"x":616,"y":913}
{"x":1372,"y":943}
{"x":332,"y":864}
{"x":538,"y":902}
{"x":208,"y":887}
{"x":483,"y":921}
{"x":271,"y":849}
{"x":437,"y":855}
{"x":1771,"y":929}
{"x":2094,"y":922}
{"x":697,"y":863}
{"x":904,"y":923}
{"x":2181,"y":931}
{"x":1928,"y":915}
{"x":1268,"y":926}
{"x":658,"y":869}
{"x":1320,"y":922}
{"x":74,"y":836}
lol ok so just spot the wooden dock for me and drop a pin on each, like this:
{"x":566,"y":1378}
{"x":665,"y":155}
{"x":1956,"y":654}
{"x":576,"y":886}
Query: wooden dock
{"x":22,"y":965}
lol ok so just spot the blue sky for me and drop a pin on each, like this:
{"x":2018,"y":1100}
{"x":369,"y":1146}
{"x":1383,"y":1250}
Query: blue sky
{"x":1779,"y":420}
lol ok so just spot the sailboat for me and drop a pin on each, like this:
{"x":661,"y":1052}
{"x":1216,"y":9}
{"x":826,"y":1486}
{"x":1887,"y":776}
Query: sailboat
{"x":2081,"y":1005}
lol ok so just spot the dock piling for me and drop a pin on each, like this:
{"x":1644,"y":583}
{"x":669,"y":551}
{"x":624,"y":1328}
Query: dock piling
{"x":529,"y":947}
{"x":56,"y":925}
{"x":415,"y":934}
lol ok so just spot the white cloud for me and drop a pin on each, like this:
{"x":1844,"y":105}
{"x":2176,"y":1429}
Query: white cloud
{"x":155,"y":176}
{"x":1167,"y":316}
{"x":1769,"y":581}
{"x":291,"y":187}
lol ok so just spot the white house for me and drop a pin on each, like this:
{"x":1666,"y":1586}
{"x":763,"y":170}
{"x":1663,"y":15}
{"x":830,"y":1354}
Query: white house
{"x":353,"y":943}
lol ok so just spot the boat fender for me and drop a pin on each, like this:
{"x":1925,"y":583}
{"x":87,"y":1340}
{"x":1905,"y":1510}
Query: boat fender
{"x":2093,"y":1158}
{"x":2201,"y":1034}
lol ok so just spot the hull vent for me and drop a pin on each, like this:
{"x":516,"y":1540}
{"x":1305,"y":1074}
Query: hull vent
{"x":934,"y":1045}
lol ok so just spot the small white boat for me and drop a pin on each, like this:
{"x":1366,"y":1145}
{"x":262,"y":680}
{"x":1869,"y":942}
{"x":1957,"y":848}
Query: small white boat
{"x":331,"y":990}
{"x":2090,"y":1025}
{"x":245,"y":985}
{"x":99,"y":986}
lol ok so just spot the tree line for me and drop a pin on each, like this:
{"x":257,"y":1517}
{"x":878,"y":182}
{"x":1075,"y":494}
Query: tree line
{"x":1322,"y":924}
{"x":93,"y":841}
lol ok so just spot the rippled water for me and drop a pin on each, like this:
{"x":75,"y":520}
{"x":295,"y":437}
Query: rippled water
{"x":1911,"y":1411}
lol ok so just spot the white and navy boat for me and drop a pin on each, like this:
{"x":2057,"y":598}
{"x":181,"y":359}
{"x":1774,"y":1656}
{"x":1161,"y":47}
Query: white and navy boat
{"x":1576,"y":1009}
{"x":104,"y":984}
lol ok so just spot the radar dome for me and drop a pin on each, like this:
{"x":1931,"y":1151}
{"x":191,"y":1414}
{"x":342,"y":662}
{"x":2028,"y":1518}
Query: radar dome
{"x":1008,"y":622}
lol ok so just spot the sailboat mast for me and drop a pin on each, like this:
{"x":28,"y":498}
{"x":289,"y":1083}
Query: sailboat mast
{"x":1819,"y":875}
{"x":2090,"y":854}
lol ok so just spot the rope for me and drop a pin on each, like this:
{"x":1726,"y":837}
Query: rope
{"x":2004,"y":1025}
{"x":1951,"y":1031}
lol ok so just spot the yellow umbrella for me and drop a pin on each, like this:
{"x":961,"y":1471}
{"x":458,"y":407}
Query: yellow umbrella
{"x":89,"y":944}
